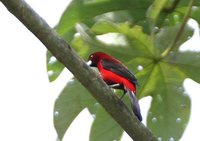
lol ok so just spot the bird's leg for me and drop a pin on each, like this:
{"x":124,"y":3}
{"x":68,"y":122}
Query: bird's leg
{"x":123,"y":94}
{"x":118,"y":86}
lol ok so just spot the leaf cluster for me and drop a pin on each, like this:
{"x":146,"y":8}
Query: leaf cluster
{"x":145,"y":35}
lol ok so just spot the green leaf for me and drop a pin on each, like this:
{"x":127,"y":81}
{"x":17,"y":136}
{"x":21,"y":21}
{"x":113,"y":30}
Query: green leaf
{"x":174,"y":11}
{"x":163,"y":79}
{"x":72,"y":100}
{"x":87,"y":43}
{"x":104,"y":128}
{"x":155,"y":9}
{"x":84,"y":11}
{"x":170,"y":107}
{"x":137,"y":42}
{"x":103,"y":27}
{"x":138,"y":39}
{"x":146,"y":78}
{"x":79,"y":11}
{"x":194,"y":13}
{"x":54,"y":67}
{"x":187,"y":62}
{"x":165,"y":37}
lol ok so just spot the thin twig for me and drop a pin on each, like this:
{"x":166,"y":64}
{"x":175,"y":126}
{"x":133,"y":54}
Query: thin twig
{"x":180,"y":31}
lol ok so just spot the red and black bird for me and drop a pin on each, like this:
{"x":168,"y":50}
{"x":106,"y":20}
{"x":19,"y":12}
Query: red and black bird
{"x":117,"y":76}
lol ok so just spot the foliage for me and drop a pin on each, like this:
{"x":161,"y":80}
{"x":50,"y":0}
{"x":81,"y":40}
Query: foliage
{"x":146,"y":36}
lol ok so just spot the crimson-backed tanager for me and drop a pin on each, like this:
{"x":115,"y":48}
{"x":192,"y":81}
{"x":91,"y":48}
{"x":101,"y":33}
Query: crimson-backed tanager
{"x":117,"y":76}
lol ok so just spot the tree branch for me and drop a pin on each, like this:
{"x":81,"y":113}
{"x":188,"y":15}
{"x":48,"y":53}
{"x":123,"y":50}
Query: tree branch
{"x":66,"y":55}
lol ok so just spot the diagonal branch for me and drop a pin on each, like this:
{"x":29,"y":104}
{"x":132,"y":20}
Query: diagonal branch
{"x":66,"y":55}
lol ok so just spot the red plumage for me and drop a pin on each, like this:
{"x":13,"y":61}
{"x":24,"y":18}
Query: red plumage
{"x":117,"y":75}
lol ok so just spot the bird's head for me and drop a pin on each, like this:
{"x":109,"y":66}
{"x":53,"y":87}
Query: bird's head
{"x":94,"y":58}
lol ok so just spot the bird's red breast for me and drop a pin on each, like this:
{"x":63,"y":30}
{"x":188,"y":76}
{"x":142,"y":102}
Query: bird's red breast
{"x":112,"y":78}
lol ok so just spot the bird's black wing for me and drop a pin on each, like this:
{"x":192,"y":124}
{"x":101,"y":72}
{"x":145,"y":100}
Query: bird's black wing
{"x":119,"y":69}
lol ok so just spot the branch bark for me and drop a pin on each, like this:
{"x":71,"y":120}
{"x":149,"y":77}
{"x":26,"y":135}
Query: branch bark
{"x":66,"y":55}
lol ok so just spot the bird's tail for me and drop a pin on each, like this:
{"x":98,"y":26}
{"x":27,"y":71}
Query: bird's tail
{"x":134,"y":104}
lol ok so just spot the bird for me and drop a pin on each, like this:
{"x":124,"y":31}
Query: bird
{"x":117,"y":76}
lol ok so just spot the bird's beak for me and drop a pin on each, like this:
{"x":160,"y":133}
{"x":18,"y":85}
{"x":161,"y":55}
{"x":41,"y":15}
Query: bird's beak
{"x":89,"y":63}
